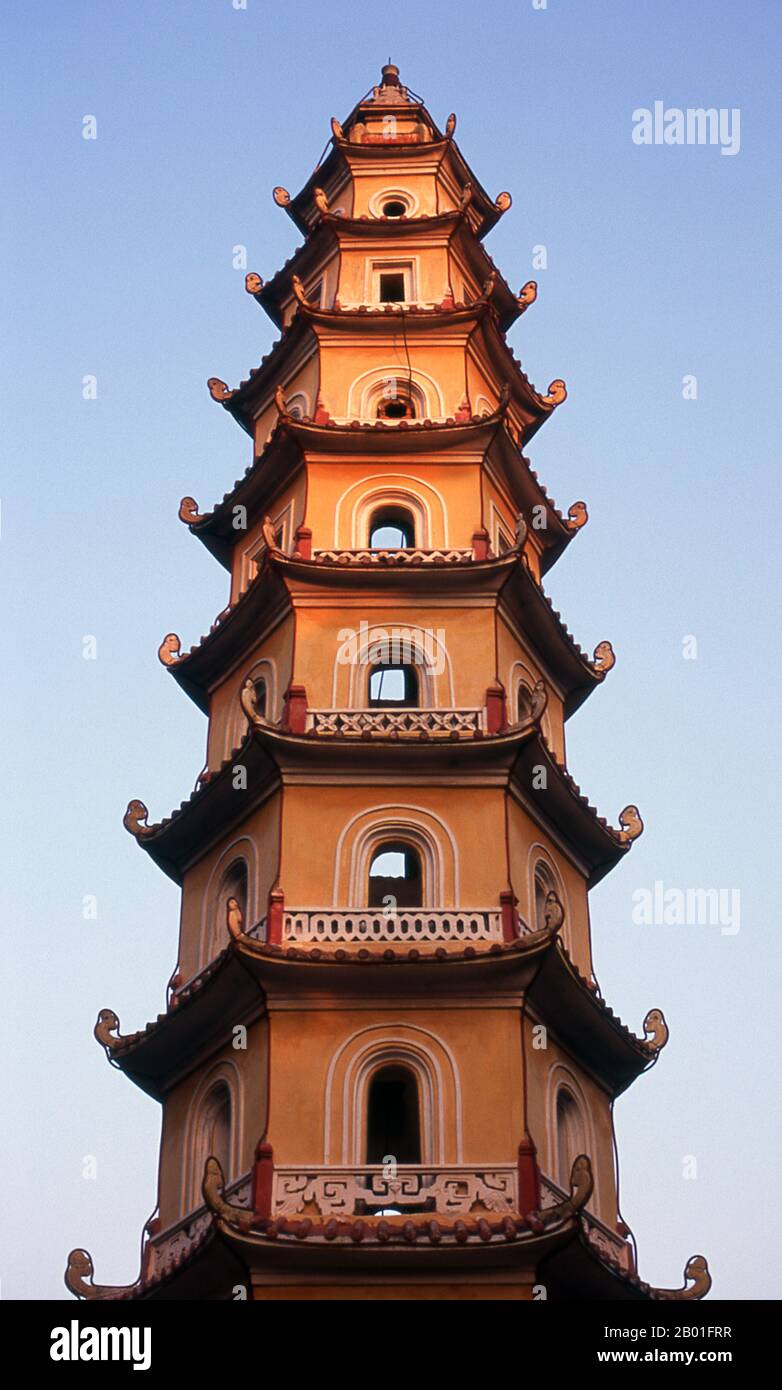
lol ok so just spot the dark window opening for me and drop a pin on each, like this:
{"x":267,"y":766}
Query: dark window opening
{"x":394,"y":208}
{"x":523,"y":703}
{"x":543,"y":887}
{"x":218,"y":1125}
{"x":569,"y":1137}
{"x":392,"y":287}
{"x":398,"y":407}
{"x":392,"y":528}
{"x":393,"y":1122}
{"x":260,"y":695}
{"x":395,"y":872}
{"x":393,"y":685}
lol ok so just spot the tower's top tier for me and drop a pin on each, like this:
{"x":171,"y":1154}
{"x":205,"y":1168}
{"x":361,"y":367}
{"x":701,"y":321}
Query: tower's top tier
{"x":390,"y":110}
{"x":391,"y":132}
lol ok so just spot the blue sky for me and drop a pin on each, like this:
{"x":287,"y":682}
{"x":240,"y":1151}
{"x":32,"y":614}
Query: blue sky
{"x":662,"y":263}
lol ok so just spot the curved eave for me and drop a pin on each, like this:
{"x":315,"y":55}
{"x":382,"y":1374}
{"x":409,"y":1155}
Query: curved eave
{"x":303,"y":753}
{"x":539,"y":620}
{"x":197,"y":670}
{"x":470,"y":1242}
{"x":223,"y":995}
{"x":485,"y":576}
{"x":595,"y":843}
{"x":481,"y":265}
{"x":585,"y":1024}
{"x":211,"y":810}
{"x":275,"y":467}
{"x":207,"y":1270}
{"x":566,"y":1261}
{"x":306,"y":258}
{"x":577,"y":1271}
{"x":509,"y":370}
{"x":256,"y":390}
{"x":232,"y":990}
{"x":376,"y":319}
{"x":269,"y":753}
{"x":527,"y":491}
{"x":403,"y":436}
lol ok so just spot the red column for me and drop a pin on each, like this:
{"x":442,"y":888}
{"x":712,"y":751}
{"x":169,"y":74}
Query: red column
{"x":496,"y":712}
{"x":294,"y":716}
{"x":510,"y":929}
{"x":529,"y":1177}
{"x":480,"y":544}
{"x":274,"y":917}
{"x":303,"y":543}
{"x":263,"y":1181}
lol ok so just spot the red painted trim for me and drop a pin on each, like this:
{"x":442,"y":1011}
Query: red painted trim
{"x":303,"y":549}
{"x":294,"y":715}
{"x":263,"y":1181}
{"x":510,"y":925}
{"x":496,"y":709}
{"x":528,"y":1177}
{"x":274,"y":917}
{"x":480,"y":544}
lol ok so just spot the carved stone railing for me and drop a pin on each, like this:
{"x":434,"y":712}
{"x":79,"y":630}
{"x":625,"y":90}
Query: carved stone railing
{"x":408,"y":926}
{"x":403,"y":723}
{"x":605,"y":1241}
{"x":374,"y":1189}
{"x":392,"y":557}
{"x":168,"y":1247}
{"x":258,"y":930}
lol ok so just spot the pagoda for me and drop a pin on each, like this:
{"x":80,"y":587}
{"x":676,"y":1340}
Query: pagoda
{"x":385,"y":1066}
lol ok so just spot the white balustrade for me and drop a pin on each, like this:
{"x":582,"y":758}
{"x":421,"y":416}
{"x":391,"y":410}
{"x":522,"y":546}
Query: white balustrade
{"x":409,"y":926}
{"x":412,"y":723}
{"x":408,"y":556}
{"x":452,"y":1191}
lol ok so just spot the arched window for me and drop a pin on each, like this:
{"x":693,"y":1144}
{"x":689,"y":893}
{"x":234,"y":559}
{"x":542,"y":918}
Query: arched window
{"x":570,"y":1135}
{"x":393,"y":1117}
{"x":395,"y":872}
{"x":544,"y":884}
{"x":393,"y":686}
{"x":392,"y":528}
{"x":214,"y":1131}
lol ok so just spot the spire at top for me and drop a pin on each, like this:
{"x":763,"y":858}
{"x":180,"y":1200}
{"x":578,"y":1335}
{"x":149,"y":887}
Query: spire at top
{"x":391,"y":89}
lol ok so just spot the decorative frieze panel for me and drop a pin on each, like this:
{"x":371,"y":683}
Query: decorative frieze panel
{"x":363,"y":926}
{"x":329,"y":1192}
{"x":385,"y":723}
{"x":606,"y":1242}
{"x":164,"y":1251}
{"x":392,"y":557}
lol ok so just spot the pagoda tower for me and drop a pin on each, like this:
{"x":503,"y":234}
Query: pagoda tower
{"x":385,"y":1066}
